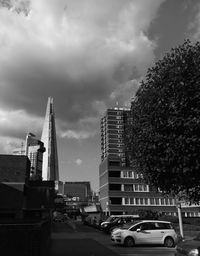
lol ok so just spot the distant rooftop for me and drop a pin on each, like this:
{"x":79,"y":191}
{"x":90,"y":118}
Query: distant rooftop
{"x":117,"y":108}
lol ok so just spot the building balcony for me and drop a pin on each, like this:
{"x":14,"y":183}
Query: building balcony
{"x":122,"y":180}
{"x":130,"y":208}
{"x":129,"y":193}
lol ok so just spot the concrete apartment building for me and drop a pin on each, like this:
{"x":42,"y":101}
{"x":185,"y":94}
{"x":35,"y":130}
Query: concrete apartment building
{"x":122,"y":189}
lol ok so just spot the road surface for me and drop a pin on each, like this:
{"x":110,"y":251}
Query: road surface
{"x":76,"y":239}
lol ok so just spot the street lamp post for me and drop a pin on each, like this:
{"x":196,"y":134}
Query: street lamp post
{"x":178,"y":205}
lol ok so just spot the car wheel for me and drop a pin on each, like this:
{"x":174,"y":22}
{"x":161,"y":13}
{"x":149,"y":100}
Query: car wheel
{"x":169,"y":242}
{"x":129,"y":242}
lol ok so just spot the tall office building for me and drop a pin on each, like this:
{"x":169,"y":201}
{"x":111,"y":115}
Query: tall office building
{"x":34,"y":149}
{"x":50,"y":157}
{"x":122,"y":189}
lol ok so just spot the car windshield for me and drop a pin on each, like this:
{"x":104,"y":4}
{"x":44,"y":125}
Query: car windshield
{"x":197,"y":238}
{"x":127,"y":226}
{"x":110,"y":219}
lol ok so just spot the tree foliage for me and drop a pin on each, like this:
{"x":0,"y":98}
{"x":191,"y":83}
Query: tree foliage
{"x":165,"y":131}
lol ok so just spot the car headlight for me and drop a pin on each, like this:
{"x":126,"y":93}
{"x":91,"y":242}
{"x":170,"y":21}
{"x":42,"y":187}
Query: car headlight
{"x":118,"y":234}
{"x":193,"y":252}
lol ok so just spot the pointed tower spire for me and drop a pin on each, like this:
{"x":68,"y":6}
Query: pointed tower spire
{"x":50,"y":156}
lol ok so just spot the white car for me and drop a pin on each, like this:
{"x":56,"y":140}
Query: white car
{"x":146,"y":232}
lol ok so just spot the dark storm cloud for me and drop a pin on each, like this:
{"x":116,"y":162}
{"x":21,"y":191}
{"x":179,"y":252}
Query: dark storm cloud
{"x":84,"y":53}
{"x":29,"y":86}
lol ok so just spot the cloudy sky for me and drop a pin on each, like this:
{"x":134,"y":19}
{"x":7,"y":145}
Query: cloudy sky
{"x":88,"y":55}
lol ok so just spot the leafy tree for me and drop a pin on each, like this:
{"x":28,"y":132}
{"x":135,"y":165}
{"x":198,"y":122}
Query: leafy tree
{"x":165,"y":130}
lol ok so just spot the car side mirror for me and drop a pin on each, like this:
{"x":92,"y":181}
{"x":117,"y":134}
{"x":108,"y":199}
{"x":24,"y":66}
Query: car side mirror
{"x":138,"y":230}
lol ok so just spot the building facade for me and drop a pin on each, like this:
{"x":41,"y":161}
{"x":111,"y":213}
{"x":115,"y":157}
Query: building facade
{"x":77,"y":195}
{"x":14,"y":168}
{"x":80,"y":190}
{"x":34,"y":149}
{"x":113,"y":139}
{"x":122,"y":189}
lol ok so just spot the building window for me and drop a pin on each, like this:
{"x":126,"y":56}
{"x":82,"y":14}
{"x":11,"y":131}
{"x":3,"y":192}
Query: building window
{"x":137,"y":176}
{"x":152,"y":201}
{"x":128,"y":187}
{"x":126,"y":201}
{"x":124,"y":174}
{"x":140,"y":187}
{"x":141,"y":200}
{"x":171,"y":201}
{"x":136,"y":200}
{"x":116,"y":187}
{"x":114,"y":174}
{"x":116,"y":200}
{"x":166,"y":201}
{"x":127,"y":174}
{"x":157,"y":201}
{"x":136,"y":187}
{"x":114,"y":163}
{"x":130,"y":174}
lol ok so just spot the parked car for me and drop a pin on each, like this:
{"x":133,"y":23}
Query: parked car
{"x":119,"y":221}
{"x":108,"y":220}
{"x":146,"y":232}
{"x":189,"y":247}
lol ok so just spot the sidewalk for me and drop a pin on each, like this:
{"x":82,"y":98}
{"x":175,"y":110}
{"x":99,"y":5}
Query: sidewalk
{"x":71,"y":242}
{"x":79,"y":247}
